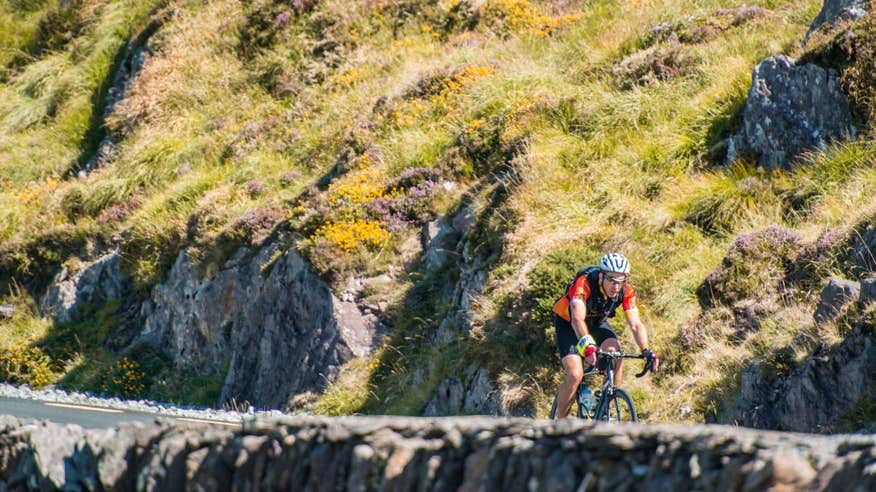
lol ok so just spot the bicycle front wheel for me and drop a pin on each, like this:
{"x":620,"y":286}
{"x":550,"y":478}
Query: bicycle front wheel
{"x":618,"y":408}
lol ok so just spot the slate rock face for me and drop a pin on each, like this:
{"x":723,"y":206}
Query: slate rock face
{"x":476,"y":395}
{"x":439,"y":243}
{"x":265,"y":322}
{"x":94,"y":285}
{"x":834,"y":10}
{"x":790,"y":109}
{"x":815,"y":394}
{"x":836,"y":297}
{"x":868,"y":291}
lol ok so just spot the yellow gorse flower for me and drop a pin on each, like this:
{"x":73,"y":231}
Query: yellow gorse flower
{"x":21,"y":364}
{"x":35,"y":192}
{"x":447,"y":99}
{"x":523,"y":16}
{"x":125,"y":377}
{"x":359,"y":188}
{"x":350,"y":235}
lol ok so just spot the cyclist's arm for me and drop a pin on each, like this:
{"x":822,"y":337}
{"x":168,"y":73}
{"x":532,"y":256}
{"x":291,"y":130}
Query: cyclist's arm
{"x":578,"y":311}
{"x":631,"y":311}
{"x":640,"y":333}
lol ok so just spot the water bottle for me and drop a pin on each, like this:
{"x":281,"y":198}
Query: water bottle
{"x":586,"y":401}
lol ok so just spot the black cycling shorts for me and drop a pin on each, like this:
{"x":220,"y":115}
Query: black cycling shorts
{"x":566,"y":338}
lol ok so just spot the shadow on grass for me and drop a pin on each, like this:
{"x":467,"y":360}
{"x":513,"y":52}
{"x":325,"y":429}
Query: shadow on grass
{"x":430,"y":340}
{"x":109,"y":92}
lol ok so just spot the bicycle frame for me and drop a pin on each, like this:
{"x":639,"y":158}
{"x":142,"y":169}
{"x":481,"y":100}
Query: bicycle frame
{"x":608,"y":385}
{"x":610,"y":393}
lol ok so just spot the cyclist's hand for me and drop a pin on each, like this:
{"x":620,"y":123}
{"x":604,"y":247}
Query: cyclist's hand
{"x":587,"y":348}
{"x":651,"y":358}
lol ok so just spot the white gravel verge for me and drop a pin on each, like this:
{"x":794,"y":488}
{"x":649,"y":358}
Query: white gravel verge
{"x":75,"y":398}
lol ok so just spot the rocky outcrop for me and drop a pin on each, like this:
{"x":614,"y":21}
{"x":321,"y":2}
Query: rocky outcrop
{"x":765,"y":280}
{"x":94,"y":285}
{"x":816,"y":393}
{"x":836,"y":297}
{"x":790,"y":109}
{"x":365,"y":454}
{"x":470,"y":273}
{"x":439,"y":243}
{"x":476,"y":396}
{"x":868,"y":291}
{"x":265,"y":322}
{"x":834,"y":10}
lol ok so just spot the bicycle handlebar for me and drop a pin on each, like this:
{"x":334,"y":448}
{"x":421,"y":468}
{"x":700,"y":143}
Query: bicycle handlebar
{"x":611,"y":354}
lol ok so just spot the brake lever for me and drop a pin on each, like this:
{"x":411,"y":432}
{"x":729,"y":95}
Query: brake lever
{"x":648,"y":367}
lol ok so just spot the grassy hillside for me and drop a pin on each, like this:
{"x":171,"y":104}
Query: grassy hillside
{"x":569,"y":127}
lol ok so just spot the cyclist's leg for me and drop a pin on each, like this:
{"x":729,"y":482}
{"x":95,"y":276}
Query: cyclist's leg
{"x":573,"y":366}
{"x":606,"y":338}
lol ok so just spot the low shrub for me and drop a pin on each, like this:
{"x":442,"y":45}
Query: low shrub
{"x":523,"y":16}
{"x":212,"y":245}
{"x":124,"y":378}
{"x":654,"y":64}
{"x":757,"y":262}
{"x":700,"y":29}
{"x":25,"y":365}
{"x":34,"y":262}
{"x":861,"y":417}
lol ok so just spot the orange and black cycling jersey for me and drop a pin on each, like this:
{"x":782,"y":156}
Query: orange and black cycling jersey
{"x":599,"y":307}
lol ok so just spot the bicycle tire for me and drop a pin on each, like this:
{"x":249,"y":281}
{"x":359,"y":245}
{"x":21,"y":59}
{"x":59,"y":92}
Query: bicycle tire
{"x":618,"y":408}
{"x":553,"y":413}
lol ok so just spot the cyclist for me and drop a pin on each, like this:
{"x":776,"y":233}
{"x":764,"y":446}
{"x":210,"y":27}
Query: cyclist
{"x":580,"y":320}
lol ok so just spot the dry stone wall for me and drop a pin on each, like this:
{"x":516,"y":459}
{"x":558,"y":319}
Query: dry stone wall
{"x":396,"y":454}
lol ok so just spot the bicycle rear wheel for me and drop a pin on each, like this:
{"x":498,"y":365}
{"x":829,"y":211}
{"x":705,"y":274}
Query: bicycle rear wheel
{"x":618,"y":408}
{"x":553,"y":413}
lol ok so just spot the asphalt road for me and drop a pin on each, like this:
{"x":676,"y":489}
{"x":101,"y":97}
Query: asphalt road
{"x":86,"y":416}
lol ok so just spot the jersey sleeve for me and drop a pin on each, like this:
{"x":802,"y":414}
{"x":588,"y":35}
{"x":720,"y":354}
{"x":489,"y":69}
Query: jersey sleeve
{"x":629,"y":302}
{"x":580,"y":289}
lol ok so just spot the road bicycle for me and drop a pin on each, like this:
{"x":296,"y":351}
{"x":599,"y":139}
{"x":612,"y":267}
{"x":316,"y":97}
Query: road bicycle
{"x":612,"y":404}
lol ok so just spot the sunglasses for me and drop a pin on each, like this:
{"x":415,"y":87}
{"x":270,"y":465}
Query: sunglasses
{"x":616,"y":280}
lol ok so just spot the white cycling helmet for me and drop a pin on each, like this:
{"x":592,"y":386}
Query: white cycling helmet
{"x":615,"y":262}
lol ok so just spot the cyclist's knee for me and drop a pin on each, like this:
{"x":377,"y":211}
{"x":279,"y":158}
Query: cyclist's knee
{"x":611,"y":344}
{"x":574,"y":371}
{"x":574,"y":374}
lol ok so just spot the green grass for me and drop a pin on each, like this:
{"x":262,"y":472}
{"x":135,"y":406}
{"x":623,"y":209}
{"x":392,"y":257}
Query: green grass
{"x":231,"y":101}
